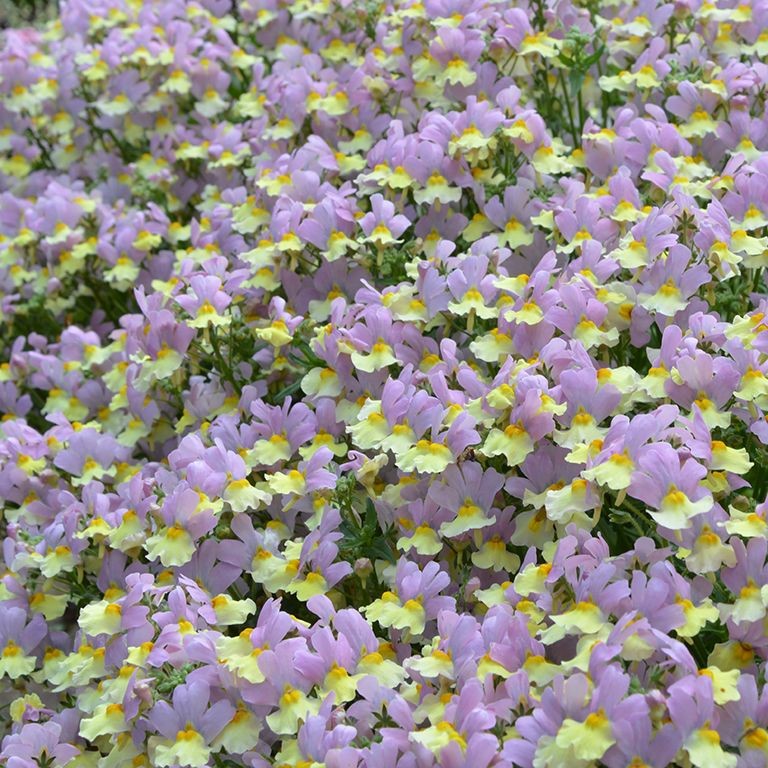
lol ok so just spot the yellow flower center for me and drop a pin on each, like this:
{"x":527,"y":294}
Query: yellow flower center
{"x":11,"y":650}
{"x":174,"y":532}
{"x":582,"y":418}
{"x":468,"y":509}
{"x":621,"y":459}
{"x":290,"y":696}
{"x":669,"y":289}
{"x":675,"y":497}
{"x":757,"y":738}
{"x":596,"y":719}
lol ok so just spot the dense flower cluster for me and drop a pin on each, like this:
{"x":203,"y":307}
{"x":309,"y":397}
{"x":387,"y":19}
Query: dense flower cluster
{"x":384,"y":384}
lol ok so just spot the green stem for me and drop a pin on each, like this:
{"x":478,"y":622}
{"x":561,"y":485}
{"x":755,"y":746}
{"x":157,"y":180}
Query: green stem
{"x":568,"y":110}
{"x":224,"y":369}
{"x":44,"y":152}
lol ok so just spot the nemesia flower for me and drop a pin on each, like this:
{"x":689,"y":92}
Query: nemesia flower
{"x":35,"y":742}
{"x":188,"y":726}
{"x":384,"y":385}
{"x":469,"y":495}
{"x":381,"y":225}
{"x":206,"y":303}
{"x":174,"y":543}
{"x":669,"y":486}
{"x":19,"y":639}
{"x":416,"y":600}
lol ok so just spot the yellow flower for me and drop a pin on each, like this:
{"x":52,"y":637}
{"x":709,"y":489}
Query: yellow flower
{"x":704,"y":750}
{"x":631,"y":253}
{"x":240,"y":734}
{"x":119,"y":105}
{"x":276,"y":334}
{"x":519,"y":130}
{"x":584,"y":618}
{"x":177,"y":82}
{"x":646,"y":77}
{"x":242,"y":496}
{"x":749,"y":606}
{"x":107,"y":719}
{"x":287,"y":482}
{"x":592,"y":335}
{"x":732,"y":654}
{"x":540,"y":671}
{"x":754,"y":386}
{"x":308,"y":586}
{"x":101,"y":618}
{"x":532,"y":579}
{"x":667,"y":300}
{"x":530,"y":313}
{"x":424,"y":540}
{"x":615,"y":473}
{"x":380,"y":356}
{"x":238,"y":655}
{"x":386,"y":671}
{"x":390,"y":612}
{"x":211,"y":104}
{"x":624,"y":81}
{"x":548,"y":160}
{"x":173,"y":546}
{"x":590,"y":739}
{"x":746,"y":524}
{"x":478,"y":226}
{"x":435,"y":664}
{"x":539,"y":43}
{"x":494,"y":595}
{"x":724,"y":684}
{"x":13,"y":662}
{"x":709,"y":553}
{"x":294,"y":706}
{"x":50,"y":606}
{"x":438,"y":736}
{"x":188,"y":749}
{"x":437,"y":190}
{"x":457,"y":72}
{"x":698,"y":124}
{"x":513,"y":442}
{"x":229,"y":611}
{"x":626,"y":211}
{"x":472,"y":301}
{"x":676,"y":509}
{"x":696,"y":616}
{"x":566,"y":503}
{"x":269,"y":451}
{"x":206,"y":315}
{"x":469,"y":517}
{"x":55,"y":560}
{"x":341,"y":683}
{"x":514,"y":235}
{"x":426,"y":456}
{"x":532,"y":529}
{"x":18,"y":707}
{"x":129,"y":534}
{"x":494,"y":554}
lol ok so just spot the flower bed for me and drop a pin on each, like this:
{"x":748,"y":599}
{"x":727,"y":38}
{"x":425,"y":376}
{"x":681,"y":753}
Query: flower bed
{"x":384,"y":385}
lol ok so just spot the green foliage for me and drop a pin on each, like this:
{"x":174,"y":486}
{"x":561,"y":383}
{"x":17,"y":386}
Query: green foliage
{"x":170,"y":677}
{"x":14,"y":13}
{"x":363,"y":536}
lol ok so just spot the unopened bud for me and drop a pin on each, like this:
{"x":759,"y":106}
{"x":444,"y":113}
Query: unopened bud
{"x":363,"y":568}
